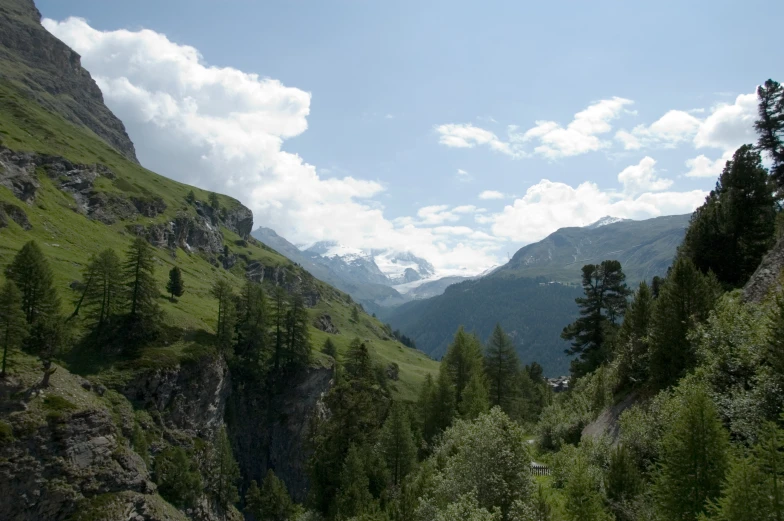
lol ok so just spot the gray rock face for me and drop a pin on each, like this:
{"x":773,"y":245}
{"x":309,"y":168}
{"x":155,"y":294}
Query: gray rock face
{"x":272,"y":433}
{"x":14,"y":213}
{"x":324,"y":323}
{"x":52,"y":74}
{"x":190,"y":397}
{"x":766,"y":280}
{"x":293,"y":281}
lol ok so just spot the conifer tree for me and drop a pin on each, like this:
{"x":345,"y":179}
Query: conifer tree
{"x":355,"y":314}
{"x":175,"y":286}
{"x":770,"y":126}
{"x":253,"y":322}
{"x":463,"y":358}
{"x":686,"y":298}
{"x":476,"y":399}
{"x":214,"y":201}
{"x":769,"y":458}
{"x":271,"y":502}
{"x":743,"y":493}
{"x":13,"y":326}
{"x":397,"y":444}
{"x":190,"y":198}
{"x":694,"y":458}
{"x":775,"y":349}
{"x":354,"y":498}
{"x":329,"y":348}
{"x":623,"y":481}
{"x":443,"y":408}
{"x":227,"y":316}
{"x":297,"y":334}
{"x":730,"y":233}
{"x":224,"y":471}
{"x":632,"y":343}
{"x":501,"y":367}
{"x":103,"y":290}
{"x":141,"y":288}
{"x":33,"y":277}
{"x":583,"y":499}
{"x":178,"y":479}
{"x":279,"y":305}
{"x":604,"y":303}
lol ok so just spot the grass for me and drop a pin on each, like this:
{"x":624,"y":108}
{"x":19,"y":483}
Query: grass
{"x":68,"y":239}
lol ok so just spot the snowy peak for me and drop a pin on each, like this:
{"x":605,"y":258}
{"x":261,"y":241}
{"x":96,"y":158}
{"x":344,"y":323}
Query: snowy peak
{"x":330,"y":249}
{"x":402,"y":267}
{"x":604,"y":221}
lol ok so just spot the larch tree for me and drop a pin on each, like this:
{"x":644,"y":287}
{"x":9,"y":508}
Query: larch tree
{"x":632,"y":345}
{"x":463,"y":358}
{"x":770,"y":126}
{"x":279,"y":309}
{"x":103,"y":288}
{"x":175,"y":286}
{"x":501,"y":367}
{"x":397,"y":444}
{"x":224,"y":330}
{"x":253,"y":324}
{"x":476,"y":399}
{"x":297,"y":350}
{"x":13,"y":326}
{"x":224,"y":471}
{"x":141,"y":287}
{"x":271,"y":502}
{"x":32,"y":275}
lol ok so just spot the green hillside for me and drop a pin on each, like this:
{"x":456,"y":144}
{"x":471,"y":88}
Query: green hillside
{"x":69,"y":234}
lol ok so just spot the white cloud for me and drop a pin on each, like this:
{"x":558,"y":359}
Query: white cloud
{"x":463,"y":176}
{"x":223,"y":129}
{"x":702,"y":166}
{"x":642,"y":178}
{"x":579,"y":136}
{"x":729,"y":125}
{"x":491,"y":194}
{"x":673,"y":128}
{"x":466,"y":135}
{"x":548,"y":206}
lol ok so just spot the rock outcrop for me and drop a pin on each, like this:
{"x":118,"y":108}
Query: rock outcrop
{"x":52,"y":74}
{"x":12,"y":212}
{"x":767,"y":278}
{"x":324,"y":323}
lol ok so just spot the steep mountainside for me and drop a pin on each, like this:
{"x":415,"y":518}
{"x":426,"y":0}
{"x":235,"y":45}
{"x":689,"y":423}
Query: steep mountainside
{"x":524,"y":294}
{"x":50,"y":72}
{"x":86,"y":445}
{"x":644,"y":248}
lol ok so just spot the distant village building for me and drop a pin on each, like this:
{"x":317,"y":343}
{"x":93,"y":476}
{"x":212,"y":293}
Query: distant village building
{"x":559,"y":384}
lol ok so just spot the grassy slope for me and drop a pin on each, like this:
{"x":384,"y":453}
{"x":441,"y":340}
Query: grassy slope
{"x":68,"y":238}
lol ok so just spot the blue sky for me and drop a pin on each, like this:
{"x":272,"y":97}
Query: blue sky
{"x":403,"y":95}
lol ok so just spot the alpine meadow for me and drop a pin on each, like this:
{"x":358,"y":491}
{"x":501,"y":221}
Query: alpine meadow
{"x":442,"y":321}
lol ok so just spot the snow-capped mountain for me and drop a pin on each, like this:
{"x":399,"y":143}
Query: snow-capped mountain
{"x":604,"y":221}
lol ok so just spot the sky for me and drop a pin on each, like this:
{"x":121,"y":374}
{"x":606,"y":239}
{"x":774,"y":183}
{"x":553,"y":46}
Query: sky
{"x":459,"y":131}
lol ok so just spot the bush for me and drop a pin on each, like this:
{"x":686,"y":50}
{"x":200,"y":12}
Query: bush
{"x":177,"y":477}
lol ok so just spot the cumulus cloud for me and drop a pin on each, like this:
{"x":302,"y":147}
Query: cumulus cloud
{"x":548,"y":206}
{"x":642,"y":177}
{"x":729,"y":125}
{"x":673,"y":128}
{"x":223,"y":129}
{"x":466,"y":135}
{"x":491,"y":194}
{"x":702,"y":166}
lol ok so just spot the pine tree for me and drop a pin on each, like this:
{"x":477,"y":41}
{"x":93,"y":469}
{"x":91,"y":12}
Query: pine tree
{"x":602,"y":306}
{"x":694,"y":458}
{"x":279,"y":305}
{"x":476,"y":398}
{"x":502,"y":367}
{"x":397,"y":444}
{"x":141,"y":288}
{"x":632,"y":343}
{"x":253,"y":324}
{"x":775,"y":349}
{"x":190,"y":198}
{"x":355,"y":314}
{"x":354,"y":498}
{"x":329,"y":349}
{"x":730,"y":233}
{"x":686,"y":298}
{"x":743,"y":492}
{"x":214,"y":201}
{"x":227,"y":316}
{"x":443,"y":408}
{"x":297,"y":334}
{"x":33,"y":277}
{"x":103,"y":290}
{"x":177,"y":477}
{"x":13,"y":326}
{"x":770,"y":126}
{"x":623,"y":481}
{"x":769,"y":458}
{"x":271,"y":502}
{"x":175,"y":286}
{"x":224,"y":471}
{"x":583,"y":500}
{"x":463,"y":358}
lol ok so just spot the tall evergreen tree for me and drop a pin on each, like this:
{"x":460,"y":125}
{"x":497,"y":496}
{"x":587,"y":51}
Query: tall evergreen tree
{"x":141,"y":288}
{"x":279,"y":308}
{"x":602,"y":306}
{"x":32,"y":275}
{"x":502,"y":367}
{"x":686,"y":298}
{"x":632,"y":344}
{"x":731,"y":232}
{"x":297,"y":351}
{"x":224,"y":471}
{"x":354,"y":497}
{"x":13,"y":326}
{"x":103,"y":288}
{"x":583,"y":499}
{"x":175,"y":286}
{"x":694,"y":459}
{"x":227,"y":315}
{"x":770,"y":126}
{"x":271,"y":502}
{"x":476,"y":399}
{"x":253,"y":324}
{"x":743,"y":492}
{"x":463,"y":358}
{"x":214,"y":201}
{"x":330,"y":349}
{"x":623,"y":482}
{"x":769,"y":458}
{"x":397,"y":444}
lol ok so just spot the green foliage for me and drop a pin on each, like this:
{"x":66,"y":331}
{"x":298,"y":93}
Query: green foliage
{"x":584,"y":500}
{"x":190,"y":198}
{"x":6,"y":433}
{"x":770,"y":126}
{"x":397,"y":444}
{"x":175,"y":286}
{"x":102,"y":294}
{"x":141,"y":288}
{"x":602,"y":306}
{"x":32,"y":275}
{"x":685,"y":299}
{"x":476,"y":397}
{"x":502,"y":367}
{"x":730,"y":233}
{"x":437,"y":404}
{"x":487,"y":458}
{"x":623,"y":482}
{"x":227,"y":315}
{"x":13,"y":326}
{"x":224,"y":471}
{"x":140,"y":444}
{"x":463,"y":359}
{"x":271,"y":502}
{"x":632,"y":342}
{"x":297,"y":344}
{"x":355,"y":314}
{"x":214,"y":201}
{"x":354,"y":497}
{"x":694,"y":458}
{"x":177,"y":477}
{"x":330,"y":349}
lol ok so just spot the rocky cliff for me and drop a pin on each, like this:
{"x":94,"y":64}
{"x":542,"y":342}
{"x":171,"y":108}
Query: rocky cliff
{"x":51,"y":73}
{"x":767,"y":279}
